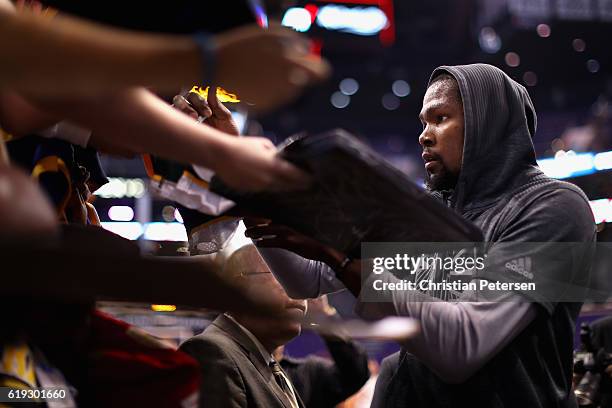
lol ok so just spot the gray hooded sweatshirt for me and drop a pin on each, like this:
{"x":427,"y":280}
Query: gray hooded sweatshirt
{"x":515,"y":350}
{"x":514,"y":353}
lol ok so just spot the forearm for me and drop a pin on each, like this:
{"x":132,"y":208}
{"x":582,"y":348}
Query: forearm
{"x":77,"y":277}
{"x":456,"y":338}
{"x":138,"y":121}
{"x":85,"y":264}
{"x":302,"y":278}
{"x":97,"y":60}
{"x":19,"y":117}
{"x":349,"y":274}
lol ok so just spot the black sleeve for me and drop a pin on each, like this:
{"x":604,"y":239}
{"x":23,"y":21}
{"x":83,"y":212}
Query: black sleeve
{"x":601,"y":333}
{"x":222,"y":384}
{"x":388,"y":368}
{"x":332,"y":382}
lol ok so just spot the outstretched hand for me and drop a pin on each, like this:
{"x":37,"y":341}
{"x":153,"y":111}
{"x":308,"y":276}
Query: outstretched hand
{"x":266,"y":234}
{"x":210,"y":110}
{"x":251,"y":163}
{"x":247,"y":163}
{"x":278,"y":60}
{"x":269,"y":235}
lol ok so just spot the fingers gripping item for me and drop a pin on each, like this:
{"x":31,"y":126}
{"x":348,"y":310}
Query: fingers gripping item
{"x":188,"y":185}
{"x":273,"y":57}
{"x":209,"y":107}
{"x":222,"y":95}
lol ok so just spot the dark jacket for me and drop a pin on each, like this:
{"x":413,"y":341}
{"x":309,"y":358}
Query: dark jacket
{"x":502,"y":191}
{"x":234,"y":373}
{"x":388,"y":368}
{"x":324,"y":384}
{"x":601,"y":333}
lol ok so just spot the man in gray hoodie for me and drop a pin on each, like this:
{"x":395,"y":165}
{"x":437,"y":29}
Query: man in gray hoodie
{"x":515,"y":349}
{"x":516,"y":352}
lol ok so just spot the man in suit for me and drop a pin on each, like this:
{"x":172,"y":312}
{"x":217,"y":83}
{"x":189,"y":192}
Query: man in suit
{"x":320,"y":382}
{"x":235,"y":351}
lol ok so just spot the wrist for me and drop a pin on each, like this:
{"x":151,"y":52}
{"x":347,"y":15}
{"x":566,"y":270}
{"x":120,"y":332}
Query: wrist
{"x":337,"y":260}
{"x":344,"y":265}
{"x":220,"y":150}
{"x":331,"y":257}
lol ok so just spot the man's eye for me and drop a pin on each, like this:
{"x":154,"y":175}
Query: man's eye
{"x":441,"y":118}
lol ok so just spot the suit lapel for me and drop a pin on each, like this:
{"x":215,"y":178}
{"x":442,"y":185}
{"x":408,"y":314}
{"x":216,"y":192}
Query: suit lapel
{"x":234,"y":331}
{"x":253,"y":354}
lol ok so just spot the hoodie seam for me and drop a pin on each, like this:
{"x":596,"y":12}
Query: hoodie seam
{"x":518,"y":201}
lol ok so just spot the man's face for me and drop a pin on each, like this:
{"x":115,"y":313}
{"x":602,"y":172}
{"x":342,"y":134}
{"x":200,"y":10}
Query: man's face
{"x":284,"y":320}
{"x":442,"y":136}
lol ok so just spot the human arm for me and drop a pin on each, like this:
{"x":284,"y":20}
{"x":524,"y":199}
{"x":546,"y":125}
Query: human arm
{"x":138,"y":121}
{"x":211,"y":111}
{"x":48,"y":59}
{"x":85,"y":264}
{"x":349,"y":371}
{"x":84,"y":77}
{"x":336,"y":380}
{"x":302,"y":278}
{"x":298,"y":263}
{"x":458,"y":338}
{"x":451,"y":339}
{"x":19,"y":117}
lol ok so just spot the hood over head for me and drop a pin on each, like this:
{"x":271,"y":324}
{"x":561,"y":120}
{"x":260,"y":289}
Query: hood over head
{"x":500,"y":122}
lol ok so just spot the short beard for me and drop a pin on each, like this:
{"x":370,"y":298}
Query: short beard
{"x":442,"y":181}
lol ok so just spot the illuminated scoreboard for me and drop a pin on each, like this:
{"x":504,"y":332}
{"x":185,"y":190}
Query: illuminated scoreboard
{"x":358,"y":17}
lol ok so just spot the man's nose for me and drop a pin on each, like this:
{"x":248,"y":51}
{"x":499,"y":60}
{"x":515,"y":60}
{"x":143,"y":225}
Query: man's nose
{"x":426,"y":139}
